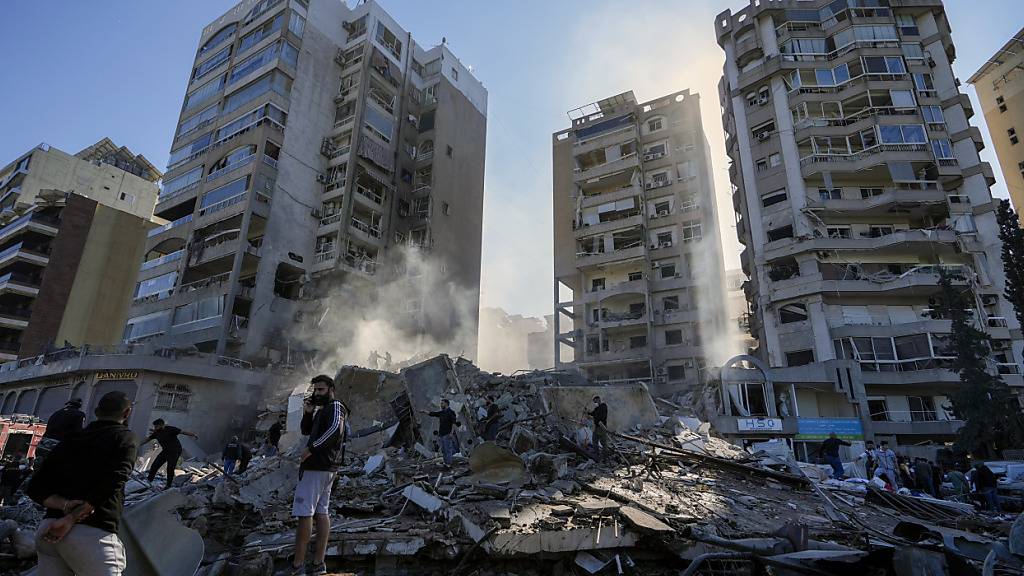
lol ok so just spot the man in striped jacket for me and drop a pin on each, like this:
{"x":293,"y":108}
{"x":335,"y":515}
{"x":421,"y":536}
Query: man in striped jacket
{"x":323,"y":421}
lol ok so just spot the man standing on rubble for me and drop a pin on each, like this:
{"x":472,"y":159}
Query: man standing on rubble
{"x":986,"y":485}
{"x":923,"y":476}
{"x":492,"y":423}
{"x":600,"y":416}
{"x":274,"y":436}
{"x":869,"y":458}
{"x":447,"y":422}
{"x":81,"y":485}
{"x":170,"y":448}
{"x":323,"y":420}
{"x":886,"y":461}
{"x":230,"y":455}
{"x":830,"y":450}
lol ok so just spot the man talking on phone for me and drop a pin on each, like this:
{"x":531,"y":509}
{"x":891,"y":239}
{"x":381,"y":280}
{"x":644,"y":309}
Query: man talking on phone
{"x":323,"y":421}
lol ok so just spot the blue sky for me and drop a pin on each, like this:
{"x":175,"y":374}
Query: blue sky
{"x":79,"y":70}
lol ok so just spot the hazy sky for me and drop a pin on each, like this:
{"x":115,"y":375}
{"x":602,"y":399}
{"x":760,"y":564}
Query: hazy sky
{"x":79,"y":70}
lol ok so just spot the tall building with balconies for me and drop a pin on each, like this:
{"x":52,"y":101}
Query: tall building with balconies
{"x":856,"y":181}
{"x":316,"y":144}
{"x":1000,"y":87}
{"x":637,"y":244}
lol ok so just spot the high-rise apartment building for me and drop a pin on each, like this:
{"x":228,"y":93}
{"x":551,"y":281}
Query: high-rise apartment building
{"x":857,"y":180}
{"x":1000,"y":87}
{"x":71,"y":234}
{"x":636,"y":242}
{"x":319,"y":148}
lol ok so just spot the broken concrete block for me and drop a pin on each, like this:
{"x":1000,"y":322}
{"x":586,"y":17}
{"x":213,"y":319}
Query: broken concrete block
{"x":561,"y":510}
{"x":571,"y":540}
{"x":374,"y":463}
{"x":494,"y":464}
{"x":422,"y":498}
{"x":596,"y":506}
{"x":643,"y":521}
{"x":424,"y":451}
{"x":589,"y":562}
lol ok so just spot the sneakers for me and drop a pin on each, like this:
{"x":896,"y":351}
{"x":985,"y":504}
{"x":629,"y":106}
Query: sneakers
{"x":318,"y":569}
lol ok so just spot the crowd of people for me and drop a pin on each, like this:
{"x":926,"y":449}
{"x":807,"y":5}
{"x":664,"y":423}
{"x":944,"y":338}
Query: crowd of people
{"x":976,"y":483}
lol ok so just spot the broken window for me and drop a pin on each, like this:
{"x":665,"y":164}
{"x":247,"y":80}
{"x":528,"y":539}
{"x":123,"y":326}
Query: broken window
{"x":922,"y":408}
{"x":662,"y":208}
{"x":879,"y":410}
{"x":670,"y":303}
{"x":676,"y":372}
{"x":597,"y":284}
{"x":790,"y":313}
{"x":627,"y":239}
{"x":866,"y":193}
{"x":655,"y":124}
{"x":673,"y":337}
{"x":692,"y":231}
{"x":668,"y":270}
{"x":634,"y":276}
{"x":842,"y":232}
{"x":879,"y":231}
{"x":637,"y":342}
{"x":664,"y":239}
{"x":799,"y":358}
{"x":287,"y":281}
{"x":773,"y":198}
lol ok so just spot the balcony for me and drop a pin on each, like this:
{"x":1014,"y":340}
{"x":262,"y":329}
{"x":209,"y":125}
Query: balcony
{"x":366,"y":229}
{"x":165,"y":259}
{"x":629,"y":287}
{"x":605,"y":227}
{"x":620,"y":356}
{"x":945,"y":428}
{"x":33,"y":222}
{"x":586,"y":260}
{"x":597,"y":171}
{"x":910,"y":241}
{"x":610,"y":319}
{"x":375,"y":198}
{"x":15,"y":318}
{"x":169,"y":226}
{"x":814,"y":163}
{"x":231,"y":167}
{"x":889,"y":200}
{"x":16,"y":283}
{"x":223,"y":204}
{"x":21,"y":253}
{"x":9,"y":350}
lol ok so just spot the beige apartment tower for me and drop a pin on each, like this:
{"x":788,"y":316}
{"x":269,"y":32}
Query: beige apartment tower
{"x":638,"y":266}
{"x":319,"y":150}
{"x":856,"y":181}
{"x":1000,"y":87}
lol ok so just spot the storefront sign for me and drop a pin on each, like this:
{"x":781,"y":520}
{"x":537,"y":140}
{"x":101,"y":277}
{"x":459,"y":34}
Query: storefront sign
{"x":117,"y":375}
{"x":819,"y":428}
{"x":759,"y":424}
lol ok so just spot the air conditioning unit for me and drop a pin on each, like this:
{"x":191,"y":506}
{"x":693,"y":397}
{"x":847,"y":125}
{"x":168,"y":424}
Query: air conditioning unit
{"x":665,"y":245}
{"x":654,"y":246}
{"x":663,"y":213}
{"x":764,"y":136}
{"x":653,"y":156}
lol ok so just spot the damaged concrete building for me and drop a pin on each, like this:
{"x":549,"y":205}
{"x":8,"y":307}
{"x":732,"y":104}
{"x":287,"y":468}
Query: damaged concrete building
{"x":320,"y":155}
{"x":856,"y":181}
{"x":639,"y":277}
{"x":72,"y":229}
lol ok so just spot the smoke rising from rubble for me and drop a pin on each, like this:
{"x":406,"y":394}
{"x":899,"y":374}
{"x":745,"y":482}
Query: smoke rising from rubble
{"x":353,"y":322}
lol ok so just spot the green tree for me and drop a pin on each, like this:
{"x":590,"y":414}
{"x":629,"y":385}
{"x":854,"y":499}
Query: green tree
{"x":1013,"y":256}
{"x":991,"y":412}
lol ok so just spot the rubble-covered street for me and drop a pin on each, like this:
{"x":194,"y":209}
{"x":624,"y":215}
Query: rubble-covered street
{"x":670,"y":498}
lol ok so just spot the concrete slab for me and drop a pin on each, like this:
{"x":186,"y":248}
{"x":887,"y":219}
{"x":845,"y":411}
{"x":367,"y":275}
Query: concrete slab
{"x":156,"y":543}
{"x":561,"y":541}
{"x":628,"y":406}
{"x":493,"y":464}
{"x":596,"y":506}
{"x":374,"y":463}
{"x":644,"y":522}
{"x":422,"y":498}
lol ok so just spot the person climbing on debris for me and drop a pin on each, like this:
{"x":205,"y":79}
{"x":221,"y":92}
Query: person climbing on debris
{"x":274,"y":437}
{"x":985,"y":485}
{"x":492,"y":423}
{"x":244,"y":457}
{"x":830,"y":450}
{"x":886,"y":462}
{"x":62,"y":423}
{"x":447,"y":422}
{"x":600,"y":416}
{"x":230,"y":455}
{"x":81,"y":485}
{"x":869,"y":458}
{"x":323,"y":421}
{"x":170,"y":448}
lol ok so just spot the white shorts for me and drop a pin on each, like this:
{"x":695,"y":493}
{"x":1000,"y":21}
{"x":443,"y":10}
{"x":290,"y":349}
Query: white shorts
{"x":313,"y":494}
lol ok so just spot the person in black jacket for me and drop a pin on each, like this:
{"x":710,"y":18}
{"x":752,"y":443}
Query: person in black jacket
{"x":230,"y":455}
{"x":492,"y":424}
{"x":81,"y":485}
{"x":446,"y":424}
{"x":67,"y":420}
{"x":323,"y":421}
{"x":600,"y":416}
{"x":170,"y":448}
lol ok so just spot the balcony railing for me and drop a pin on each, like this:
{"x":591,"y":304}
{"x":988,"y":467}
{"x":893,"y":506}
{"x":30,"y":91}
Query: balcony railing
{"x":325,"y":256}
{"x":20,"y":247}
{"x":270,"y":161}
{"x":173,"y":194}
{"x":231,"y":167}
{"x":375,"y":196}
{"x":222,"y":204}
{"x":150,"y":264}
{"x":847,"y":157}
{"x":332,"y":219}
{"x":179,"y":222}
{"x":19,"y":278}
{"x":366,"y":228}
{"x":204,"y":283}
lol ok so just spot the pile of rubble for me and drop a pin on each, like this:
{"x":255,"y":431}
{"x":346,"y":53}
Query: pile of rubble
{"x":669,"y":499}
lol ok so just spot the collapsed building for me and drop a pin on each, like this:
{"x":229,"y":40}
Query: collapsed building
{"x":671,"y":498}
